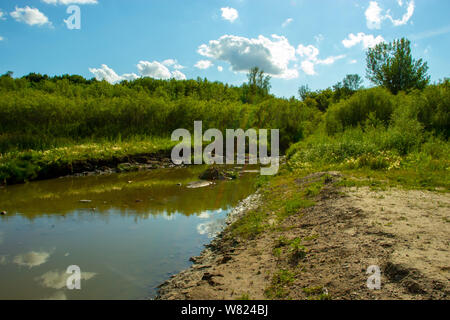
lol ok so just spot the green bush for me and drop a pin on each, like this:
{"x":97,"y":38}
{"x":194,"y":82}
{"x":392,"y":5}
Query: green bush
{"x":42,"y":113}
{"x":405,"y":133}
{"x":357,"y":109}
{"x":433,"y":108}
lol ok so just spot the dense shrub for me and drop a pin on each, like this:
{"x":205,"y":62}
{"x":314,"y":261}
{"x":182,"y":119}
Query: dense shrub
{"x":433,"y":108}
{"x":428,"y":110}
{"x":357,"y":109}
{"x":45,"y":112}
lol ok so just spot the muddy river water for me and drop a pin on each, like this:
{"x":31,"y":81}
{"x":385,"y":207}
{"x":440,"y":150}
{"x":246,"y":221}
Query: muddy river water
{"x":126,"y":232}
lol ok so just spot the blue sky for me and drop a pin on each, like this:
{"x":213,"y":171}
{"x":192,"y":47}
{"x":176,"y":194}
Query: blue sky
{"x":314,"y":42}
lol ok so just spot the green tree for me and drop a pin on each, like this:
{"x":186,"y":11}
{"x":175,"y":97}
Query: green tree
{"x":8,"y":74}
{"x":304,"y":92}
{"x":352,"y":82}
{"x":392,"y":66}
{"x":319,"y":99}
{"x":258,"y":79}
{"x":347,"y":87}
{"x":257,"y":87}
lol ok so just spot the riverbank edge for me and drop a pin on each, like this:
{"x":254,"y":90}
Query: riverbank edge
{"x":214,"y":251}
{"x":96,"y":166}
{"x":339,"y":240}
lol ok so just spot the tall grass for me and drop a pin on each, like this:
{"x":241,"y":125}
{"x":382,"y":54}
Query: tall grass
{"x":401,"y":135}
{"x":372,"y":128}
{"x":51,"y":114}
{"x":377,"y":106}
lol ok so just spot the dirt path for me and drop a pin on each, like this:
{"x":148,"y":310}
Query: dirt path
{"x":405,"y":233}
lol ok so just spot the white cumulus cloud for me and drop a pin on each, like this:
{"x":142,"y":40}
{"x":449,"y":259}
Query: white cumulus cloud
{"x":129,"y":76}
{"x":308,"y":67}
{"x":1,"y":38}
{"x":178,"y":75}
{"x":367,"y":40}
{"x":229,"y":14}
{"x":220,"y":68}
{"x":155,"y":69}
{"x":273,"y":55}
{"x":169,"y":62}
{"x":375,"y":15}
{"x":310,"y":52}
{"x":408,"y":15}
{"x":203,"y":64}
{"x":310,"y":59}
{"x":173,"y":63}
{"x":108,"y":74}
{"x":30,"y":16}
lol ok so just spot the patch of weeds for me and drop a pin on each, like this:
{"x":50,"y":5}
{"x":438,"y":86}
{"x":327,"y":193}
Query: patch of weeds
{"x":316,"y":293}
{"x":411,"y":178}
{"x":312,"y":290}
{"x":323,"y":296}
{"x":282,"y":241}
{"x":278,"y":288}
{"x":277,"y":252}
{"x":377,"y":185}
{"x":245,"y":296}
{"x":314,"y":189}
{"x":351,"y":183}
{"x":293,"y":206}
{"x":261,"y":181}
{"x":298,"y":251}
{"x":373,"y":184}
{"x":251,"y":224}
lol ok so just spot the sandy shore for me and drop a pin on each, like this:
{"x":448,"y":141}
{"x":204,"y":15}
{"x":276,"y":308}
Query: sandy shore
{"x":403,"y":232}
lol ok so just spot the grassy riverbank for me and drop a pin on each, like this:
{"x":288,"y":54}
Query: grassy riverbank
{"x":316,"y":238}
{"x":374,"y":191}
{"x":49,"y":123}
{"x":20,"y":166}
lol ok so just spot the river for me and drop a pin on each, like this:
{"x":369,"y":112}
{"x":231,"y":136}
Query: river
{"x":126,"y":232}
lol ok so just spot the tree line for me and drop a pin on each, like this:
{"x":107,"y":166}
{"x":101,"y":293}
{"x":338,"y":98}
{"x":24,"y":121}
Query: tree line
{"x":39,"y":112}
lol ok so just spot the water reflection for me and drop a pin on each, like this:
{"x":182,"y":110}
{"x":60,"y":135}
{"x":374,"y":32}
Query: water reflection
{"x":134,"y":231}
{"x":31,"y":259}
{"x":214,"y":226}
{"x":58,"y":279}
{"x":157,"y":192}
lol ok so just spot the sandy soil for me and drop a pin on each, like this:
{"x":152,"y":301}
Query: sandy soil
{"x":405,"y":233}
